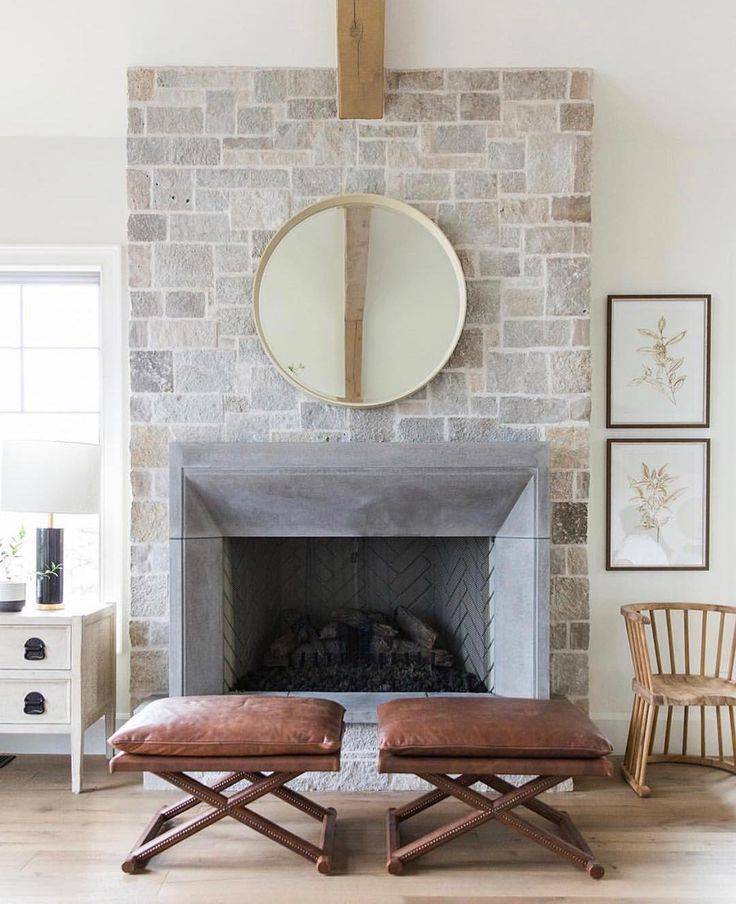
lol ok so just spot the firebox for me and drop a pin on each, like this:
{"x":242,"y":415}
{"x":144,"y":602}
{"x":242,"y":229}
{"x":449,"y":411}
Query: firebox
{"x":378,"y":614}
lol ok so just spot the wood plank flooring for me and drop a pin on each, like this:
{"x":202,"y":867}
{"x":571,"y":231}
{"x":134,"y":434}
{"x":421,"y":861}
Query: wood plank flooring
{"x":679,"y":846}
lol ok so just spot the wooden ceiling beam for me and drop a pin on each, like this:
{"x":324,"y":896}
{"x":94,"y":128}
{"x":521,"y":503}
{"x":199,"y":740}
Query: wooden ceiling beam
{"x":360,"y":25}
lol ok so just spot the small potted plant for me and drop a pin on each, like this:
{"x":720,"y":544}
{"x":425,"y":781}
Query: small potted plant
{"x":12,"y":590}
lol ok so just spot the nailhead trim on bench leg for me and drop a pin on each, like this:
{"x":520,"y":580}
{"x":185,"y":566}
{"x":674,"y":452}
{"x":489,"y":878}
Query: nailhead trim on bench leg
{"x":569,"y":844}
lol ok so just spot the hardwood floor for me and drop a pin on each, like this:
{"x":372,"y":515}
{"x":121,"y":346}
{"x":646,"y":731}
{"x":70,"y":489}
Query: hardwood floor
{"x":678,"y":846}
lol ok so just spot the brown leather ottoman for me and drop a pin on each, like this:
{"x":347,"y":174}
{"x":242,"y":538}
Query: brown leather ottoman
{"x":245,"y":737}
{"x":480,"y":739}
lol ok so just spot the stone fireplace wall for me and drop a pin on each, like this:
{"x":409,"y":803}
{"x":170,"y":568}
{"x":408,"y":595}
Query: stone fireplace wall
{"x":219,"y":158}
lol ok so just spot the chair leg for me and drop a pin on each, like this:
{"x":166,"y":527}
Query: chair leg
{"x":634,"y":766}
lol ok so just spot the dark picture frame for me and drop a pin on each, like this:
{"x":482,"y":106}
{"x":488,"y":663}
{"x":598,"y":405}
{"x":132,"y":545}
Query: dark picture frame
{"x":610,"y":351}
{"x":662,"y":441}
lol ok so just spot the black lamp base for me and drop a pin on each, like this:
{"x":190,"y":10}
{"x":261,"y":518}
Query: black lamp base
{"x":50,"y":579}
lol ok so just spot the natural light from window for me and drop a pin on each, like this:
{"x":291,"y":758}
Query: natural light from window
{"x":50,"y":365}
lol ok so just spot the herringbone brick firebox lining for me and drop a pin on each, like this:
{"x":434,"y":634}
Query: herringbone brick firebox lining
{"x":218,"y":158}
{"x":446,"y":581}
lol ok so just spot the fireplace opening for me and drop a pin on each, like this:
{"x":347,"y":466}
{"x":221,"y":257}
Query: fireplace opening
{"x":388,"y":614}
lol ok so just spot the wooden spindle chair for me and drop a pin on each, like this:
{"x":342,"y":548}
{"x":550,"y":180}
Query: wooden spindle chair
{"x":690,"y":670}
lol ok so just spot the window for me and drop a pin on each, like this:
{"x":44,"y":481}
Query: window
{"x":61,"y":379}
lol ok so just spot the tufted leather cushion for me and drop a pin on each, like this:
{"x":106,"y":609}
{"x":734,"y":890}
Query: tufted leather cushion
{"x":233,"y":725}
{"x":488,"y":727}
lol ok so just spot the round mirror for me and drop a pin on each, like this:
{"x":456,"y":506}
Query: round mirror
{"x":359,"y":300}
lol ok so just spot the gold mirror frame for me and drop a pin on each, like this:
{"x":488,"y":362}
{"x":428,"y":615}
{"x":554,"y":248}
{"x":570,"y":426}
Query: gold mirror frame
{"x":357,"y":200}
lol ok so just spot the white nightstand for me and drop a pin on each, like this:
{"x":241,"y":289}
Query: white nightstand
{"x":57,"y":673}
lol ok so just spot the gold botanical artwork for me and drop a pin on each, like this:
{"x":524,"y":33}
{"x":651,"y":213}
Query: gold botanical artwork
{"x":664,"y":372}
{"x":654,"y":496}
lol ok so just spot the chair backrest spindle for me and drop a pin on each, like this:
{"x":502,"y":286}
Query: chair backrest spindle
{"x":703,"y":640}
{"x":686,"y":632}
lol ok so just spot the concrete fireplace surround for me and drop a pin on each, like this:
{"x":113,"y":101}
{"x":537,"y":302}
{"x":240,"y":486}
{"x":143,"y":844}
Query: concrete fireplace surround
{"x":224,"y":490}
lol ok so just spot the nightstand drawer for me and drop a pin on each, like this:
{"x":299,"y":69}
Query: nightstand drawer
{"x":35,"y":647}
{"x":35,"y":701}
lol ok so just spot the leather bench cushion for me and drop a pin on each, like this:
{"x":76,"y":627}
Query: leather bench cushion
{"x":488,"y":727}
{"x":233,"y":725}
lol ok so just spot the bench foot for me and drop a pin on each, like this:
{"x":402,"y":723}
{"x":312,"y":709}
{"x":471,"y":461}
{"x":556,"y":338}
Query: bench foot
{"x":566,"y":842}
{"x":159,"y":835}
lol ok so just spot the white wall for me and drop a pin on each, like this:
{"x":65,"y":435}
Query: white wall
{"x":664,"y":184}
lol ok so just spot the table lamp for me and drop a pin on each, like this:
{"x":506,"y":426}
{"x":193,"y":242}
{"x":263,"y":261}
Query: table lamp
{"x":54,"y":478}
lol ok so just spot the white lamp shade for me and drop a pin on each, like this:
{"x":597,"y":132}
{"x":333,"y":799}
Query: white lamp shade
{"x":50,"y":477}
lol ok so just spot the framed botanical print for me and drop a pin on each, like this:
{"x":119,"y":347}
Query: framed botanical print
{"x":658,"y":361}
{"x":658,"y":504}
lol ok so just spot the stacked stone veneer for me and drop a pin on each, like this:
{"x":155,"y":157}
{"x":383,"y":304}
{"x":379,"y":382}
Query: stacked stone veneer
{"x":219,"y":158}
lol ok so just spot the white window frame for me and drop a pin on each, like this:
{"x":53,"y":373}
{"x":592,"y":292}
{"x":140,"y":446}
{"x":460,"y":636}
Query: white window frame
{"x":115,"y":514}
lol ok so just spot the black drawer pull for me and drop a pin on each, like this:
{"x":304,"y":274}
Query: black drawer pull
{"x":35,"y":649}
{"x":34,"y":704}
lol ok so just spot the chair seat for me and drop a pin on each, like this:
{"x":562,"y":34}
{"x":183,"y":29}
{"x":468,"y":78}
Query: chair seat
{"x":689,"y":690}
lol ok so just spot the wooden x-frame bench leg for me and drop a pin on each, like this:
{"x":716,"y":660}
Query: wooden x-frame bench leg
{"x":156,"y":838}
{"x":568,"y":844}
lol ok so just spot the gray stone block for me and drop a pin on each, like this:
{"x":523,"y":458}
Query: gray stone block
{"x":147,"y":151}
{"x":260,"y":208}
{"x":536,"y":333}
{"x":421,"y":430}
{"x":183,"y":266}
{"x":506,"y":155}
{"x":335,"y":143}
{"x":312,"y":83}
{"x":448,"y":393}
{"x":183,"y":333}
{"x":141,"y":84}
{"x":146,"y":227}
{"x":570,"y":372}
{"x":523,"y":210}
{"x":525,"y":410}
{"x":372,"y":153}
{"x":427,"y":186}
{"x":145,"y":304}
{"x":548,"y":240}
{"x":220,"y":112}
{"x":365,"y":180}
{"x":573,"y":208}
{"x":255,"y":120}
{"x":468,"y":351}
{"x":568,"y":290}
{"x":483,"y":301}
{"x":418,"y":107}
{"x":139,"y":266}
{"x":473,"y":79}
{"x":312,"y":108}
{"x":570,"y":674}
{"x":309,"y":181}
{"x":151,"y":371}
{"x":232,"y":290}
{"x":172,"y":189}
{"x":187,"y":408}
{"x":569,"y":522}
{"x":270,"y":85}
{"x":480,"y":105}
{"x":199,"y":227}
{"x":270,"y":391}
{"x":149,"y":522}
{"x":149,"y":595}
{"x":204,"y":370}
{"x":149,"y":446}
{"x":139,"y":189}
{"x":576,"y":117}
{"x":185,"y":304}
{"x":319,"y":416}
{"x":499,"y":263}
{"x":551,"y":164}
{"x":475,"y":184}
{"x":415,"y":79}
{"x":246,"y":427}
{"x":583,"y":163}
{"x":232,"y":258}
{"x":516,"y":372}
{"x":525,"y":84}
{"x":195,"y":151}
{"x":375,"y":425}
{"x":293,"y":135}
{"x":457,"y":138}
{"x":174,"y":120}
{"x":522,"y":301}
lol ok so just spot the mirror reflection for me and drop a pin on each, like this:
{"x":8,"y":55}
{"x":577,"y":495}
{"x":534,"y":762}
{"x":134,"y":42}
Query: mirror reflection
{"x":359,"y":300}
